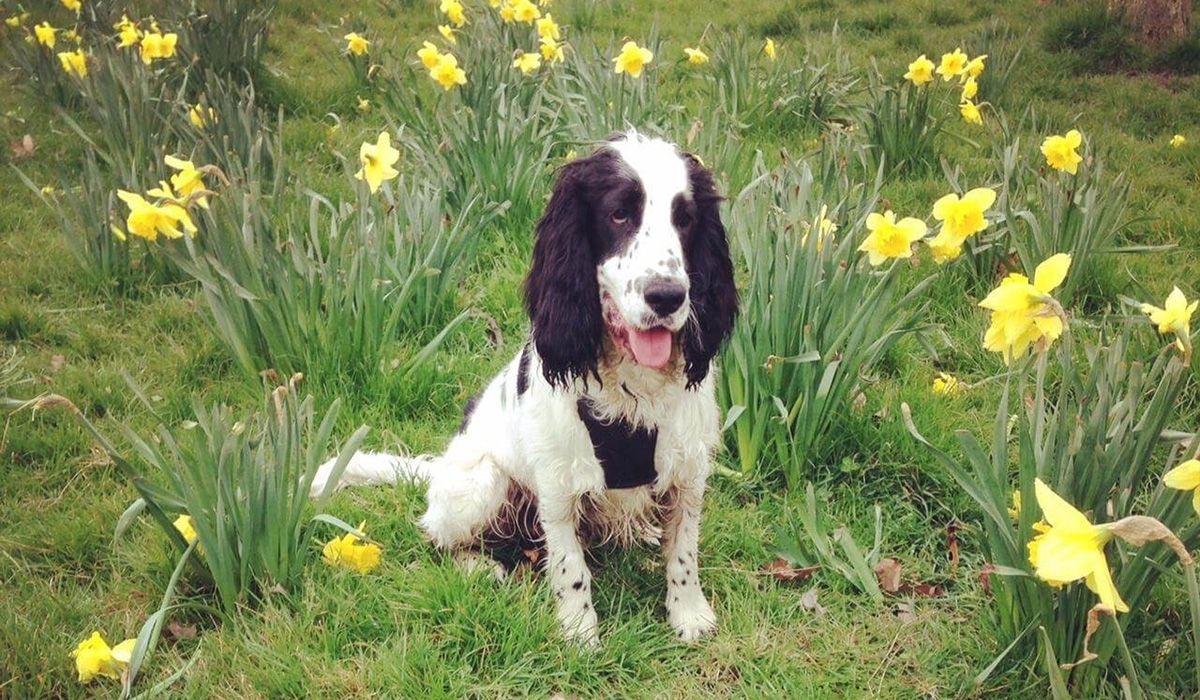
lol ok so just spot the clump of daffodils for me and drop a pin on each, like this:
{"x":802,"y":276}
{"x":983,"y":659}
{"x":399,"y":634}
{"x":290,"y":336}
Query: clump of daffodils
{"x":169,"y":213}
{"x":955,"y":64}
{"x":961,"y":218}
{"x":1024,"y":315}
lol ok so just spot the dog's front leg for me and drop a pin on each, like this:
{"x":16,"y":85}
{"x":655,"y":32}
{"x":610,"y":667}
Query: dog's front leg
{"x":687,"y":609}
{"x":569,"y":576}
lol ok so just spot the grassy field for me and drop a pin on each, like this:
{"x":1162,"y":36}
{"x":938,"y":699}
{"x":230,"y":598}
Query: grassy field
{"x":418,"y":626}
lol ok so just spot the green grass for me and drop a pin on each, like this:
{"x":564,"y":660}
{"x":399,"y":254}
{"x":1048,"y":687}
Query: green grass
{"x":421,"y":628}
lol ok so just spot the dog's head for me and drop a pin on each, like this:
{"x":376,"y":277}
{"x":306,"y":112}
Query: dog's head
{"x":632,"y":246}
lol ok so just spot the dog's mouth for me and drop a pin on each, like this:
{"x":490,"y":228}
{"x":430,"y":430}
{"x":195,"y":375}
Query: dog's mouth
{"x":649,"y":348}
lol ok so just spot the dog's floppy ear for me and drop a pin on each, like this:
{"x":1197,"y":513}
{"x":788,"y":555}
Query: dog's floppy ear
{"x":713,"y":294}
{"x":562,"y":294}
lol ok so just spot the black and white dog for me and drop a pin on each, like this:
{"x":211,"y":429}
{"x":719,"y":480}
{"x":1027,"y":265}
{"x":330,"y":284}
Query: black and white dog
{"x":603,"y":425}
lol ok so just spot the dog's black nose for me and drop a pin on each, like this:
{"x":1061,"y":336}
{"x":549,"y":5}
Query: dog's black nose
{"x":665,"y":296}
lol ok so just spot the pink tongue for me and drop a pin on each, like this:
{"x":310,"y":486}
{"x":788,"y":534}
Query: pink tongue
{"x":651,"y":348}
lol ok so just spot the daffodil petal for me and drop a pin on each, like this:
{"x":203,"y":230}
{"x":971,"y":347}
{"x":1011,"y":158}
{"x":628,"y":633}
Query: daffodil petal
{"x":1185,"y":476}
{"x":1101,"y":583}
{"x":1051,"y":272}
{"x":1057,"y":511}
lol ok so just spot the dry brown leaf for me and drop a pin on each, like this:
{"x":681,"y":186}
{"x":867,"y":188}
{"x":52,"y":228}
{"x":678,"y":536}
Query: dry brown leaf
{"x":495,"y":337}
{"x":887,"y":572}
{"x":905,"y":612}
{"x":781,"y":570}
{"x":808,"y":601}
{"x":177,"y":630}
{"x":985,"y":578}
{"x":23,"y":147}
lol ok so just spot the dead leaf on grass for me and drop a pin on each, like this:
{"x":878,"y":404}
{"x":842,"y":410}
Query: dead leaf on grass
{"x":905,"y":612}
{"x":57,"y":362}
{"x":23,"y":147}
{"x":887,"y":572}
{"x":808,"y":601}
{"x":178,"y":631}
{"x":781,"y":570}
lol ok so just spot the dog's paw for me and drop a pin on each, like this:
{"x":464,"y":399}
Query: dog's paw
{"x":693,"y":619}
{"x":582,"y":628}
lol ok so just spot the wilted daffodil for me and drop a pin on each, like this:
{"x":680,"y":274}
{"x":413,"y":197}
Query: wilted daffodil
{"x":920,"y":71}
{"x":350,"y":552}
{"x":769,"y":48}
{"x":632,"y":59}
{"x":964,"y":217}
{"x":1069,"y":547}
{"x":970,"y":113}
{"x":74,"y":62}
{"x":453,"y":10}
{"x":890,"y":238}
{"x":93,"y":657}
{"x":148,"y":220}
{"x":46,"y":35}
{"x":377,"y":160}
{"x":952,"y":65}
{"x":1023,"y":313}
{"x":1062,"y":151}
{"x":1186,"y":477}
{"x":696,"y":57}
{"x":1174,"y":317}
{"x":156,"y":45}
{"x":16,"y":20}
{"x":447,"y":33}
{"x":944,"y":247}
{"x":447,"y":73}
{"x":357,"y":44}
{"x":527,"y":63}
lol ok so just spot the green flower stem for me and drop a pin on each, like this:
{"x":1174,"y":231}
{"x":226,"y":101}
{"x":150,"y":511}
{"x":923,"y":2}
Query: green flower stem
{"x":1193,"y":589}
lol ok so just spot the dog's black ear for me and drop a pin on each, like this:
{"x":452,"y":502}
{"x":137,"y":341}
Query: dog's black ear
{"x":562,"y":295}
{"x":713,"y":292}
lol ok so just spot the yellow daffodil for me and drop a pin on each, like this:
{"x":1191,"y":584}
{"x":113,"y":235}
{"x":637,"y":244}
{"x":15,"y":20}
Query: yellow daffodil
{"x":156,"y":45}
{"x":201,"y":118}
{"x":73,"y":5}
{"x":1014,"y":511}
{"x":454,"y":12}
{"x":974,"y":67}
{"x":447,"y":73}
{"x":769,"y":48}
{"x":970,"y":89}
{"x":74,"y":62}
{"x":188,"y":181}
{"x":920,"y":71}
{"x":964,"y":217}
{"x":72,"y":35}
{"x":1061,"y":151}
{"x":429,"y":55}
{"x":944,"y":247}
{"x":148,"y":220}
{"x":130,"y":36}
{"x":508,"y":12}
{"x":527,"y":63}
{"x":46,"y":35}
{"x":953,"y":64}
{"x":632,"y":59}
{"x":1177,"y":140}
{"x":552,"y":51}
{"x":525,"y":11}
{"x":696,"y":57}
{"x":93,"y":657}
{"x":377,"y":160}
{"x":547,"y":28}
{"x":363,"y":105}
{"x":352,"y":553}
{"x":1174,"y":317}
{"x":186,"y":528}
{"x":947,"y":385}
{"x":970,"y":113}
{"x":1023,"y":313}
{"x":889,"y":238}
{"x":447,"y":33}
{"x":357,"y":44}
{"x":17,"y":20}
{"x":1186,"y":477}
{"x":1068,"y":547}
{"x":49,"y":190}
{"x":825,"y":229}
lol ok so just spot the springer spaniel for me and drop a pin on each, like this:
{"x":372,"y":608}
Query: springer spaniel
{"x":603,"y":425}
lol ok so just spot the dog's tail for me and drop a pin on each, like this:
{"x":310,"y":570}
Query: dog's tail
{"x":371,"y":469}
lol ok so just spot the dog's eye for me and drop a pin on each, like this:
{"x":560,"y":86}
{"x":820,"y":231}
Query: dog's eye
{"x":620,"y":216}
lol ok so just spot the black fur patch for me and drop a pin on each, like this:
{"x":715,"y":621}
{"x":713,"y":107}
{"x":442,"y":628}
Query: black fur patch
{"x":467,"y":411}
{"x":523,"y":371}
{"x":626,"y":453}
